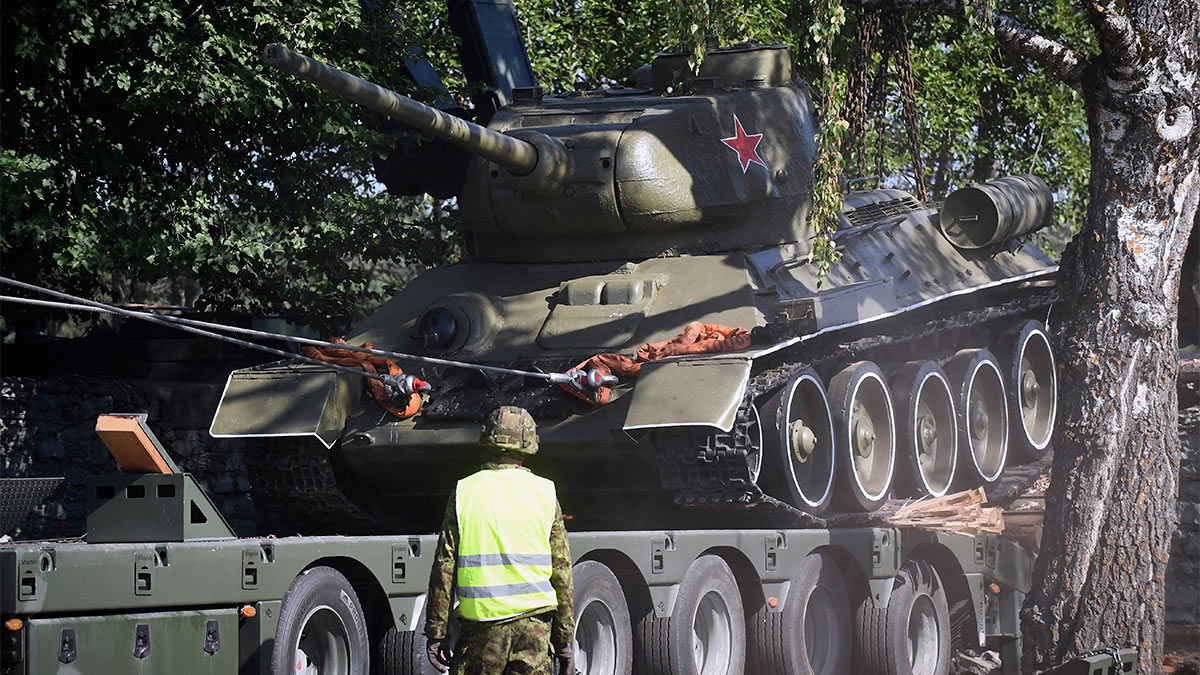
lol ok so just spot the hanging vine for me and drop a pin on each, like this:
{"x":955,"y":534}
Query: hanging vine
{"x":828,"y":19}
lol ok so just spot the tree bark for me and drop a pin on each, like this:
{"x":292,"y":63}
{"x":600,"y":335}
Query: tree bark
{"x":1110,"y":507}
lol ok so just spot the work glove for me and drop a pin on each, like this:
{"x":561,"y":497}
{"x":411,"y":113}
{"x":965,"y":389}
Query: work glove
{"x":438,"y":653}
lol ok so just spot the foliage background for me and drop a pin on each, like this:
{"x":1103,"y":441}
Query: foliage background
{"x":145,"y":140}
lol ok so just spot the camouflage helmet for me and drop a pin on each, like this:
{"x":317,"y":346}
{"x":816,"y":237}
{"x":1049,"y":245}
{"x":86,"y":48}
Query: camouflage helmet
{"x":510,"y":429}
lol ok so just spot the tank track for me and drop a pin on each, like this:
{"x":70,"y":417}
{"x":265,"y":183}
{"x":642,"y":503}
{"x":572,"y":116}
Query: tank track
{"x":703,"y":468}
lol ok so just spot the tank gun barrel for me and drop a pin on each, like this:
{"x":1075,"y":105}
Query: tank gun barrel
{"x":518,"y":156}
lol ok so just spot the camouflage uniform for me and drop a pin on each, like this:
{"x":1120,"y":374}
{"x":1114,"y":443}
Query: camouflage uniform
{"x":512,"y":646}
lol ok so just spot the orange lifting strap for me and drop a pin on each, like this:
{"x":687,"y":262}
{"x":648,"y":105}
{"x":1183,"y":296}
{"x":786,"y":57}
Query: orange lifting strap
{"x":130,"y":445}
{"x":696,"y":338}
{"x":345,"y":357}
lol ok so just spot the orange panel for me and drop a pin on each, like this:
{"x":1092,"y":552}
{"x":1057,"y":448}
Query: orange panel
{"x":130,"y":445}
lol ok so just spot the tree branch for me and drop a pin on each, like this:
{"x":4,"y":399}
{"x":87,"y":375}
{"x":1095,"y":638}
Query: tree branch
{"x":1118,"y":42}
{"x":1063,"y":61}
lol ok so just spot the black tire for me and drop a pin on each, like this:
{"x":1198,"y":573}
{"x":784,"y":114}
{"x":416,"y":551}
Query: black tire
{"x":912,"y":635}
{"x":402,"y":652}
{"x":816,"y":619}
{"x":867,"y":466}
{"x":1031,"y":411}
{"x":603,"y":630}
{"x":321,"y":621}
{"x":978,"y":382}
{"x":802,"y":479}
{"x":926,"y":430}
{"x":709,"y":603}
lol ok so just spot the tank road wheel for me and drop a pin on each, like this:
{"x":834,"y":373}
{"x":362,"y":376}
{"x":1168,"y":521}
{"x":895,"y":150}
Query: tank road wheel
{"x":706,"y":632}
{"x":927,"y":429}
{"x":321,"y":627}
{"x":1032,"y":385}
{"x":863,"y":434}
{"x":982,"y":416}
{"x":753,"y":442}
{"x":911,"y":635}
{"x":816,"y":619}
{"x":799,"y":444}
{"x":603,"y":634}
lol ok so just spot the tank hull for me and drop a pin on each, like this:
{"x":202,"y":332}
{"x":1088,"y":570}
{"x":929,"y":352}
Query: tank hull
{"x":897,"y":275}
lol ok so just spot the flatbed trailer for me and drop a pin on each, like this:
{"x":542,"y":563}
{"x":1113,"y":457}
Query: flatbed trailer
{"x":161,"y":585}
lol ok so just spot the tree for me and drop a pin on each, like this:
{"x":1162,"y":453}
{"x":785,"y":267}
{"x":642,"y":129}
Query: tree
{"x":1110,"y":507}
{"x":148,"y":140}
{"x":1098,"y":582}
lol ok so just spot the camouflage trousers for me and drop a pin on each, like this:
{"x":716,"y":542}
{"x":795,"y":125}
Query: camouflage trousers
{"x":519,"y":647}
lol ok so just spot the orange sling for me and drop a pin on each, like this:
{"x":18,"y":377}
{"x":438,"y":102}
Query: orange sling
{"x":369,"y":363}
{"x":696,"y":338}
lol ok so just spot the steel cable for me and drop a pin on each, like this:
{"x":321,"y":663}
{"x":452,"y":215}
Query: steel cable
{"x":199,"y":328}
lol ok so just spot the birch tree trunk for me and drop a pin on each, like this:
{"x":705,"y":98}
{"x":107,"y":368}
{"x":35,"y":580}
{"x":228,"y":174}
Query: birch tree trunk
{"x":1110,"y":507}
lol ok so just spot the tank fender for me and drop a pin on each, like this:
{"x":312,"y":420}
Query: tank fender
{"x":285,"y":400}
{"x":702,"y":391}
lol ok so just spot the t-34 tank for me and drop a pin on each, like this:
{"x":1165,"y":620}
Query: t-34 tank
{"x":607,"y":219}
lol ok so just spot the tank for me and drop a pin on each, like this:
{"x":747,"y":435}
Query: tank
{"x":603,"y":220}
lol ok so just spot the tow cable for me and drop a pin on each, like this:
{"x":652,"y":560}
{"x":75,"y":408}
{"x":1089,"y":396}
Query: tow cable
{"x":576,"y":379}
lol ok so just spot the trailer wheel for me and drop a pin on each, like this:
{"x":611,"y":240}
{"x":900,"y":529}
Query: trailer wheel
{"x":321,"y":627}
{"x":912,"y":634}
{"x":402,"y":652}
{"x":603,"y":632}
{"x":706,"y":632}
{"x":816,"y":619}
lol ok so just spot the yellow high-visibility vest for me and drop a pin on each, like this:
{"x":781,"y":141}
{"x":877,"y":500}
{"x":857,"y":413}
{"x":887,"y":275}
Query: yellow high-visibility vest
{"x":504,"y":521}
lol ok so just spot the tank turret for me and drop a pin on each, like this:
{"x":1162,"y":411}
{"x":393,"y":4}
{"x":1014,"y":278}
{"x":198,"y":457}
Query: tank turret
{"x":619,"y":173}
{"x":606,"y":220}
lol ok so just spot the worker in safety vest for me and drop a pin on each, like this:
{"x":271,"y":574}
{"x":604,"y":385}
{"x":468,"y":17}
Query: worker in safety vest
{"x":503,"y":552}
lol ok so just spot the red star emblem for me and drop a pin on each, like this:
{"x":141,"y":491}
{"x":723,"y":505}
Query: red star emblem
{"x":746,"y":145}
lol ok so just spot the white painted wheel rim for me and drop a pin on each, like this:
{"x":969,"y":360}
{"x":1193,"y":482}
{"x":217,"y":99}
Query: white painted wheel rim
{"x":814,"y":476}
{"x":870,"y":404}
{"x":755,"y":455}
{"x":1035,"y":359}
{"x":935,"y":463}
{"x":985,"y":392}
